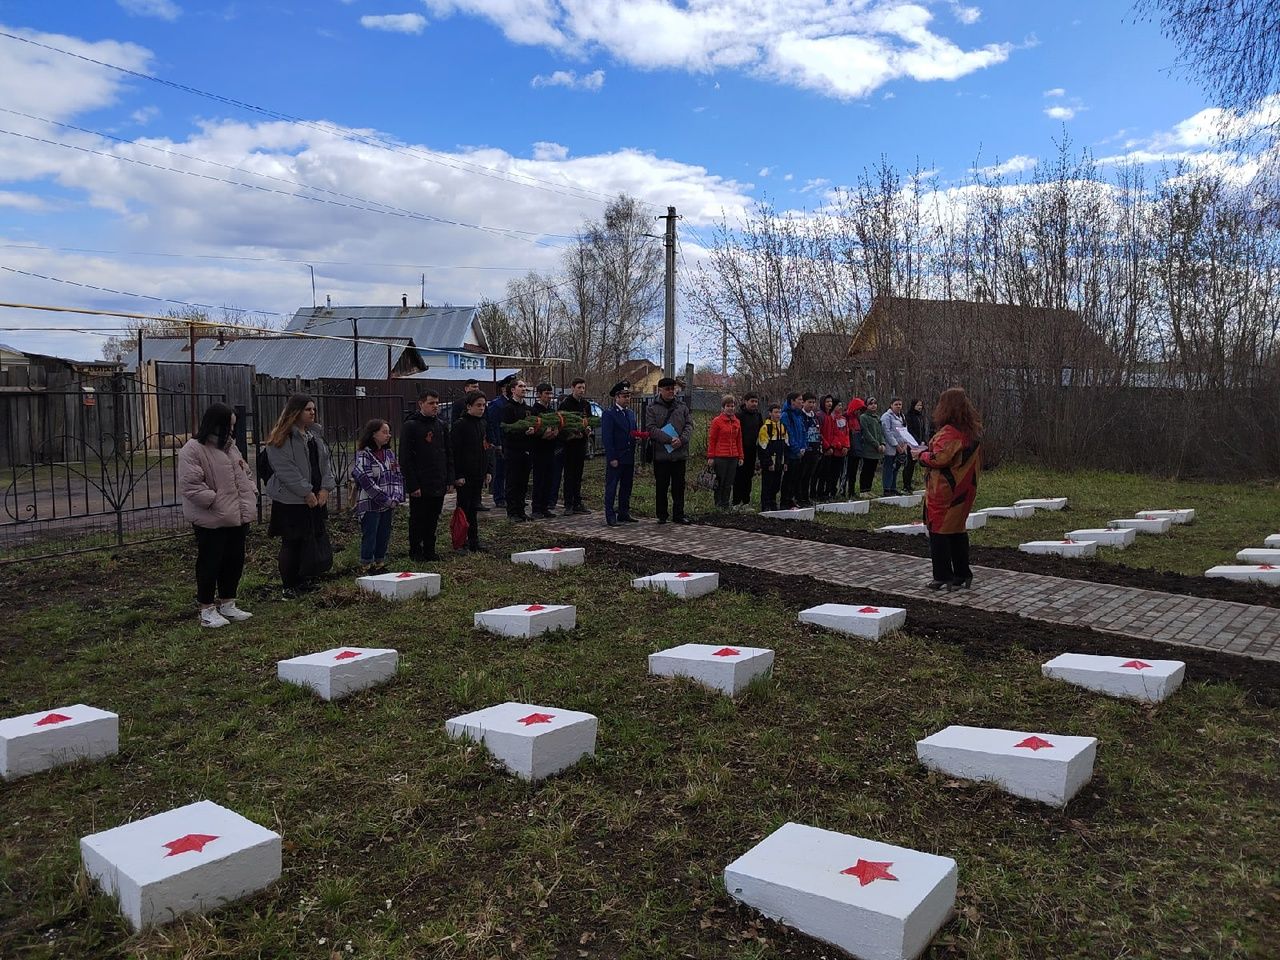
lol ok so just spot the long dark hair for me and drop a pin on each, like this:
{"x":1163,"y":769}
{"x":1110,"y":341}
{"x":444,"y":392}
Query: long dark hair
{"x":288,"y":419}
{"x":215,"y":425}
{"x":366,"y":435}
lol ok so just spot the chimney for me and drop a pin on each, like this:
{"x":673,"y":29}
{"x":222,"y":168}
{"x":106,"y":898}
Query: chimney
{"x":328,"y":302}
{"x":404,"y":301}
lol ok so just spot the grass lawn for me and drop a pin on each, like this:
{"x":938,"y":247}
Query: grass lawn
{"x":400,"y":843}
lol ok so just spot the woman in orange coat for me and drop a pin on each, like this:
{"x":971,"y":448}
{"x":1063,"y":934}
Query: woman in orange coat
{"x":724,"y":449}
{"x":954,"y":461}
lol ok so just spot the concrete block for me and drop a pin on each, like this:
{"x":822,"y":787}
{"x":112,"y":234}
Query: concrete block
{"x":867,"y":621}
{"x":1147,"y":680}
{"x":1061,"y":548}
{"x":50,"y":738}
{"x":531,"y":741}
{"x":552,"y":558}
{"x":1008,"y":513}
{"x":847,"y":506}
{"x":911,"y":529}
{"x":1045,"y":766}
{"x":527,"y":620}
{"x":905,"y":500}
{"x":401,"y":586}
{"x":873,"y":900}
{"x":1272,"y":541}
{"x":341,"y":671}
{"x":1142,"y":524}
{"x":975,"y":521}
{"x":1265,"y":573}
{"x":795,"y":513}
{"x":1042,"y":503}
{"x":1259,"y":556}
{"x":1185,"y":515}
{"x":727,"y":669}
{"x":190,"y":860}
{"x":683,"y":584}
{"x":1119,"y":538}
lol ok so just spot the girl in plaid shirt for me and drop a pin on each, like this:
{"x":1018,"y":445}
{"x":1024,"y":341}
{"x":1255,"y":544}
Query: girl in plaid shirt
{"x":380,"y":488}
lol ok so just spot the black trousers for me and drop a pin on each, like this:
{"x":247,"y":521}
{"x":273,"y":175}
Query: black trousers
{"x":543,"y":469}
{"x":791,"y":483}
{"x":469,"y":500}
{"x":669,"y":474}
{"x":575,"y":458}
{"x":950,"y":555}
{"x":219,"y":562}
{"x":742,"y":479}
{"x":908,"y":474}
{"x":770,"y":484}
{"x":519,"y":465}
{"x":424,"y":521}
{"x":808,"y":469}
{"x":868,"y":474}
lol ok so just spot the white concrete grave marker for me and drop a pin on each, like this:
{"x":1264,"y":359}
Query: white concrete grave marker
{"x":1119,"y":538}
{"x":190,"y":860}
{"x":531,"y":741}
{"x":50,"y":738}
{"x":794,"y":513}
{"x":341,"y":671}
{"x":902,"y":500}
{"x":1045,"y":767}
{"x":846,"y":506}
{"x":527,"y":620}
{"x":1185,"y":515}
{"x":1265,"y":573}
{"x":1143,"y":524}
{"x":872,"y":900}
{"x":683,"y":584}
{"x":401,"y":586}
{"x":1147,"y":680}
{"x":552,"y":558}
{"x":1008,"y":513}
{"x":1259,"y":556}
{"x":1061,"y":548}
{"x":975,"y":521}
{"x":1272,"y":541}
{"x":868,"y":621}
{"x":911,"y":529}
{"x":1042,"y":503}
{"x":727,"y":669}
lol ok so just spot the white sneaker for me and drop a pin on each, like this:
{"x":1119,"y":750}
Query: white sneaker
{"x":230,"y":611}
{"x":210,"y":617}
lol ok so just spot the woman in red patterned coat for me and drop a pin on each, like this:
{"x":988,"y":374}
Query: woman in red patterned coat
{"x":954,"y":461}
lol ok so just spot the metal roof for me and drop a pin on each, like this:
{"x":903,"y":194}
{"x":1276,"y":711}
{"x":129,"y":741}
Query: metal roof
{"x":281,"y":356}
{"x":448,"y":328}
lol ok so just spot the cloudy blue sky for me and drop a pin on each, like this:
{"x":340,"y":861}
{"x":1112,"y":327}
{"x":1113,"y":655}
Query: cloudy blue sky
{"x":380,"y":122}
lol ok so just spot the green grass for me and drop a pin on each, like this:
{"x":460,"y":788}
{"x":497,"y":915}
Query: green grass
{"x":404,"y":844}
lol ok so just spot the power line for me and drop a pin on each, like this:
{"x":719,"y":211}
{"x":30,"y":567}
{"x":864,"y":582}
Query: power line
{"x":465,"y":166}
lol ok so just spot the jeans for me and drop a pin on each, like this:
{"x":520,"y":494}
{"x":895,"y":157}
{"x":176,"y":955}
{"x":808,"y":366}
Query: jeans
{"x":950,"y":555}
{"x":726,"y":469}
{"x":375,"y":535}
{"x":219,"y":562}
{"x":424,"y":519}
{"x":617,"y":486}
{"x":669,"y":473}
{"x":890,"y":472}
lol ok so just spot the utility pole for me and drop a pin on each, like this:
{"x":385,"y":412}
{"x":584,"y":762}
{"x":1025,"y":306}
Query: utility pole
{"x":313,"y":285}
{"x":669,"y":327}
{"x":355,"y":349}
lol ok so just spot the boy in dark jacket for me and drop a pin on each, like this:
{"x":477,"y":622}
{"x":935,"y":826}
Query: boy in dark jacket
{"x":471,"y":461}
{"x":545,"y":480}
{"x":517,"y":450}
{"x":426,"y":459}
{"x":752,"y":420}
{"x":771,"y":441}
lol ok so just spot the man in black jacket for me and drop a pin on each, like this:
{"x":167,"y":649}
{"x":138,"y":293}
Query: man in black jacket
{"x":471,"y":460}
{"x":575,"y":448}
{"x":544,"y":456}
{"x":752,"y":420}
{"x":426,"y":458}
{"x":460,"y":405}
{"x":517,"y":450}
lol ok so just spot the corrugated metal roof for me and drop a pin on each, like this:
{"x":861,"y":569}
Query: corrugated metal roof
{"x":448,"y":328}
{"x":282,"y":356}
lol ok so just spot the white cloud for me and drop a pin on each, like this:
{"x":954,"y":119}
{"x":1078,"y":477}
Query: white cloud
{"x":22,"y":201}
{"x":889,"y":96}
{"x":1060,"y":113}
{"x":1015,"y":164}
{"x":1055,"y":92}
{"x":591,"y":82}
{"x":33,"y":80}
{"x":163,"y":9}
{"x":966,"y":15}
{"x":842,"y":48}
{"x":764,"y":171}
{"x":817,"y":183}
{"x":548,"y":150}
{"x":395,"y":22}
{"x":144,"y":115}
{"x":789,"y":177}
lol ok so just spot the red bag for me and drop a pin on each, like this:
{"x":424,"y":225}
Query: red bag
{"x":459,"y":527}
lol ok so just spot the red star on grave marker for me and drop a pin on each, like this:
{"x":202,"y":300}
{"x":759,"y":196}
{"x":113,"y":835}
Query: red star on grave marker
{"x":1068,"y":540}
{"x":534,"y":607}
{"x":727,"y":652}
{"x":554,"y":549}
{"x":347,"y":655}
{"x":683,"y":574}
{"x":1136,"y":665}
{"x":1034,"y":743}
{"x":869,"y":610}
{"x":1265,"y":566}
{"x":868,"y":871}
{"x":191,"y":842}
{"x":404,"y":576}
{"x":533,"y":718}
{"x":51,"y":719}
{"x":1149,"y":517}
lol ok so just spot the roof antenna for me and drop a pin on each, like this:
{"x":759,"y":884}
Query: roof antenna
{"x":422,"y":304}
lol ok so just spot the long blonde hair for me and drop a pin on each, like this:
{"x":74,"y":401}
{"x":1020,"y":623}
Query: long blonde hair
{"x":293,"y":410}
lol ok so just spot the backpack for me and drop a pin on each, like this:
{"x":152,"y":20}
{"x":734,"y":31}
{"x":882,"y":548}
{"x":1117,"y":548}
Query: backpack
{"x":264,"y":466}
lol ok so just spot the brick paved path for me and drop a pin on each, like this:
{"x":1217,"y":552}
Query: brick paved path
{"x":1146,"y":614}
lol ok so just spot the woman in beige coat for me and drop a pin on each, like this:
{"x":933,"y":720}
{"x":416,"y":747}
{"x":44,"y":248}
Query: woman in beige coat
{"x":218,"y":499}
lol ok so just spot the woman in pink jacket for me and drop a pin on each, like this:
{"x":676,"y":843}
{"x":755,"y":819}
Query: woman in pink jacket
{"x":218,"y":499}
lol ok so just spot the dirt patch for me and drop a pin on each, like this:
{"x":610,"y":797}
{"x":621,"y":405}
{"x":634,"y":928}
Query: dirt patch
{"x":982,"y":635}
{"x":1009,"y":558}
